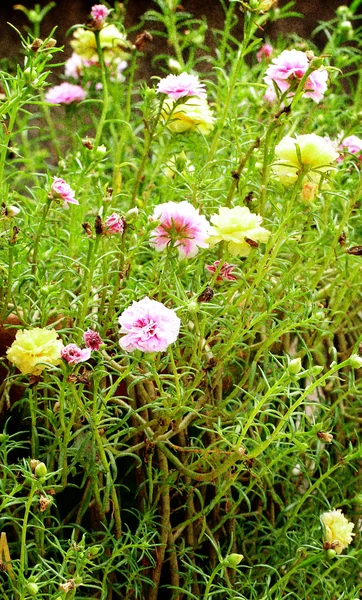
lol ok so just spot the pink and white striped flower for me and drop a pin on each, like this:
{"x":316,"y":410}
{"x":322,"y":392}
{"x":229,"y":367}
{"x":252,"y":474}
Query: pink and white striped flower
{"x":287,"y":69}
{"x":180,"y":86}
{"x":114,"y":224}
{"x":73,"y":355}
{"x":149,"y":326}
{"x":179,"y":225}
{"x":62,"y":190}
{"x":224,"y":272}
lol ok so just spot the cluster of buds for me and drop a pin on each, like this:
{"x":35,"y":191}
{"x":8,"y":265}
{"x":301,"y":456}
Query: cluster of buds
{"x":38,"y":43}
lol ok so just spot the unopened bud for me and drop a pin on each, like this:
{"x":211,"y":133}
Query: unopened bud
{"x":100,"y":151}
{"x":331,"y":554}
{"x":32,"y":588}
{"x":295,"y":366}
{"x":94,"y":550}
{"x":316,"y":370}
{"x":12,"y":211}
{"x":142,"y":40}
{"x":345,"y":26}
{"x":343,"y":11}
{"x":50,"y":43}
{"x":317,"y":62}
{"x":131,"y":214}
{"x":193,"y":306}
{"x":34,"y":463}
{"x":325,"y":437}
{"x":174,"y":65}
{"x":36,"y":44}
{"x":232,"y":560}
{"x":30,"y":75}
{"x":41,"y":470}
{"x":355,"y":361}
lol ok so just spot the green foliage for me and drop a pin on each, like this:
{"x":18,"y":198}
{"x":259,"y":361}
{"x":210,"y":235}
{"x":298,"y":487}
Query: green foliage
{"x":158,"y":469}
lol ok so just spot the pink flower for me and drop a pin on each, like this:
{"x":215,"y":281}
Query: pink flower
{"x":264,"y":53}
{"x":65,"y":93}
{"x":114,"y":224}
{"x":99,"y":13}
{"x":225,"y":271}
{"x":288,"y":69}
{"x":351,"y":144}
{"x":62,"y":190}
{"x":179,"y":86}
{"x":270,"y":96}
{"x":180,"y":225}
{"x":74,"y":355}
{"x":150,"y":326}
{"x":92,"y":339}
{"x":74,"y":66}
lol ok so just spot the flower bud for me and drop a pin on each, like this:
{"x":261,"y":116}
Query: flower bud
{"x":355,"y":361}
{"x":331,"y":554}
{"x":32,"y":588}
{"x":95,"y":550}
{"x":174,"y":65}
{"x":12,"y":211}
{"x":343,"y":11}
{"x":41,"y":470}
{"x":30,"y":75}
{"x":100,"y":151}
{"x":316,"y":370}
{"x":232,"y":560}
{"x":295,"y":366}
{"x":193,"y":306}
{"x":345,"y":26}
{"x":131,"y":214}
{"x":325,"y":437}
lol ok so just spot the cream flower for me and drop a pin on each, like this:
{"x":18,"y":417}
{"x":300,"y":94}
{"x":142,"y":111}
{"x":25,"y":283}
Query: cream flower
{"x":193,"y":114}
{"x":315,"y":152}
{"x":34,"y":349}
{"x":113,"y":42}
{"x":238,"y":226}
{"x":338,"y":529}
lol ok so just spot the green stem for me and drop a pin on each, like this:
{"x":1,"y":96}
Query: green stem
{"x":9,"y":281}
{"x":24,"y":528}
{"x":88,"y":280}
{"x":39,"y":233}
{"x":218,"y":568}
{"x":105,"y":106}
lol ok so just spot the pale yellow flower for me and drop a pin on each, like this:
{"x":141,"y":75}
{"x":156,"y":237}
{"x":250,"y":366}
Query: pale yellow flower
{"x":194,"y":114}
{"x":236,"y":226}
{"x":315,"y":152}
{"x":113,"y":42}
{"x":35,"y":349}
{"x":338,"y":529}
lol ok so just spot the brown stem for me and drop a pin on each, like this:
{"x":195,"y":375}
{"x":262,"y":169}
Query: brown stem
{"x":165,"y":527}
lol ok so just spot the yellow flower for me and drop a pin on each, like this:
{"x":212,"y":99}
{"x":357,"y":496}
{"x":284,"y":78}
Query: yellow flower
{"x":192,"y":114}
{"x":338,"y":529}
{"x":315,"y":152}
{"x":32,"y":348}
{"x":236,"y":226}
{"x":113,"y":43}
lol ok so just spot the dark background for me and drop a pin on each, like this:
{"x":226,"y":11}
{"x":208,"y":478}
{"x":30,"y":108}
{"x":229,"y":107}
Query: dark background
{"x":69,"y":12}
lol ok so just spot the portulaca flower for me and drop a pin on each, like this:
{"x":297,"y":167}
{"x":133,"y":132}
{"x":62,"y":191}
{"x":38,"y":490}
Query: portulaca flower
{"x":149,"y":326}
{"x":239,"y":227}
